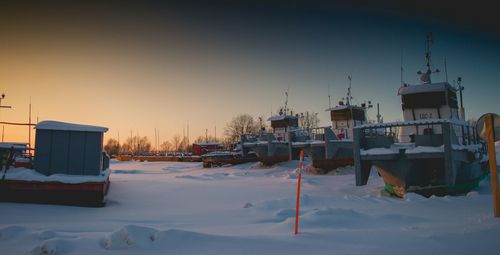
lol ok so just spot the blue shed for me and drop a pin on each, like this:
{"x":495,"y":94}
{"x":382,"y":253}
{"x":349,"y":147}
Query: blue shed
{"x":66,"y":148}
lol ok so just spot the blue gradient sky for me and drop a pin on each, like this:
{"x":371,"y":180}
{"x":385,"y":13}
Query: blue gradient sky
{"x":154,"y":65}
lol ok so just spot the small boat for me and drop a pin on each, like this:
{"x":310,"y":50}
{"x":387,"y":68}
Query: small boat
{"x":220,"y":158}
{"x":282,"y":144}
{"x":331,"y":147}
{"x":434,"y":151}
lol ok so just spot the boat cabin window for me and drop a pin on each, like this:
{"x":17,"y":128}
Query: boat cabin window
{"x":345,"y":114}
{"x":288,"y":122}
{"x":430,"y":100}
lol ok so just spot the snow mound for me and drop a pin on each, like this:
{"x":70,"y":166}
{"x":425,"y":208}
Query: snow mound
{"x":129,"y":236}
{"x":280,"y":216}
{"x":410,"y":196}
{"x":130,"y":172}
{"x":175,"y":168}
{"x":10,"y":232}
{"x":46,"y":234}
{"x":205,"y":177}
{"x":53,"y":246}
{"x":333,"y":218}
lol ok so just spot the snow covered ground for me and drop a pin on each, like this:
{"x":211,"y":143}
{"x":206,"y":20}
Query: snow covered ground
{"x":182,"y":208}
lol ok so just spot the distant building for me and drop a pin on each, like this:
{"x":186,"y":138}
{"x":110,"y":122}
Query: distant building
{"x":65,"y":148}
{"x":203,"y":148}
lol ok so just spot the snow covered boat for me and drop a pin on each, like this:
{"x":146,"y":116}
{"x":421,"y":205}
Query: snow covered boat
{"x":331,"y":147}
{"x":433,"y":151}
{"x":70,"y":167}
{"x":220,"y":158}
{"x":282,"y":144}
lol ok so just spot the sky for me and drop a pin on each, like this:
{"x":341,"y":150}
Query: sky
{"x":137,"y":66}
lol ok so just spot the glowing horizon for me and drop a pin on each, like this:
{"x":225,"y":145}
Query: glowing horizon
{"x":167,"y":66}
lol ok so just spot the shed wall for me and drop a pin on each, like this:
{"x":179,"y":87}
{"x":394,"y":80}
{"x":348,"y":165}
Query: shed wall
{"x":68,"y":152}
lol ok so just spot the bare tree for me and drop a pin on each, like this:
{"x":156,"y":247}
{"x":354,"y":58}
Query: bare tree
{"x":309,"y":120}
{"x":112,"y":147}
{"x":166,"y":146}
{"x":136,"y":144}
{"x":176,"y":141}
{"x":203,"y":139}
{"x":239,"y":125}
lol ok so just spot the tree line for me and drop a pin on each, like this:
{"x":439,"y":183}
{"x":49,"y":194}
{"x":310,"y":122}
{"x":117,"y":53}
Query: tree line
{"x":239,"y":125}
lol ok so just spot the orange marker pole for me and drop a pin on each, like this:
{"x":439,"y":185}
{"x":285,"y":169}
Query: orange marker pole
{"x":298,"y":193}
{"x":488,"y":122}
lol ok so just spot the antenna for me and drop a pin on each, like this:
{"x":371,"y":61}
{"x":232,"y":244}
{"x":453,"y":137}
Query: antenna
{"x":329,"y":98}
{"x":286,"y":99}
{"x":445,"y":69}
{"x":378,"y":114}
{"x":349,"y":97}
{"x":461,"y":88}
{"x":426,"y":77}
{"x":402,"y":70}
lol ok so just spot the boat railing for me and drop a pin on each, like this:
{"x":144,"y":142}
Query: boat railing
{"x":453,"y":135}
{"x":424,"y":133}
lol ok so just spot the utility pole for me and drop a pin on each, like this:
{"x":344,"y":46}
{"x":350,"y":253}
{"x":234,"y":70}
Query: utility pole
{"x":29,"y":130}
{"x":3,"y":106}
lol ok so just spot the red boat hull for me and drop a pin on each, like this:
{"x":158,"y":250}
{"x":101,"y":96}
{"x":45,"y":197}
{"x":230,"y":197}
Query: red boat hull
{"x":91,"y":194}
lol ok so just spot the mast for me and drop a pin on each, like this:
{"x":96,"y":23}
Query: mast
{"x":329,"y":98}
{"x":426,"y":77}
{"x":349,"y":97}
{"x":402,"y":70}
{"x":461,"y":88}
{"x":378,"y":114}
{"x":29,"y":129}
{"x":286,"y":100}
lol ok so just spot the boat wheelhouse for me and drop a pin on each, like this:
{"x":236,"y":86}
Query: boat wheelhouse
{"x":283,"y":143}
{"x":331,"y":147}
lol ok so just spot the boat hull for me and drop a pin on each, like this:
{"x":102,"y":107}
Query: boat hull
{"x":331,"y":156}
{"x":426,"y":176}
{"x":88,"y":194}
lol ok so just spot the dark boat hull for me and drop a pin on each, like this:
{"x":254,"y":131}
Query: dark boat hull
{"x":88,"y":194}
{"x":426,"y":176}
{"x":331,"y":156}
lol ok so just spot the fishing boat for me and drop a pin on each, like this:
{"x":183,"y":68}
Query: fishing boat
{"x":331,"y":147}
{"x":434,"y":151}
{"x":283,"y":143}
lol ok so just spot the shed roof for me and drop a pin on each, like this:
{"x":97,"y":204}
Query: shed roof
{"x":57,"y":125}
{"x":16,"y":146}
